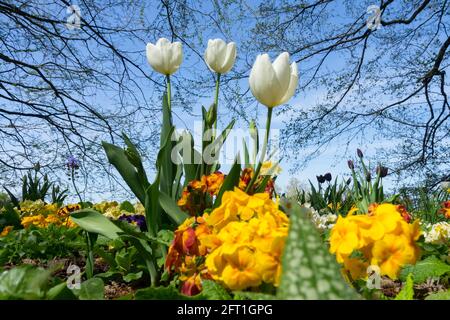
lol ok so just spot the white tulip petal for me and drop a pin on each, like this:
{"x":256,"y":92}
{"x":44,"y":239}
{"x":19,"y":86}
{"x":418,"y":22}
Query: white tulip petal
{"x":218,"y":50}
{"x":264,"y":83}
{"x":293,"y":82}
{"x":230,"y":58}
{"x":154,"y":58}
{"x":283,"y":71}
{"x":176,"y":56}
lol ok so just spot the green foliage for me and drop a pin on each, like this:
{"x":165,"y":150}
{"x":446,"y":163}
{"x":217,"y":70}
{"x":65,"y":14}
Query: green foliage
{"x":424,"y":203}
{"x":407,"y":292}
{"x":444,"y":295}
{"x":41,"y":243}
{"x":214,"y":291}
{"x":331,"y":199}
{"x":36,"y":188}
{"x":91,"y":289}
{"x":160,"y":293}
{"x":24,"y":283}
{"x":365,"y":190}
{"x":30,"y":283}
{"x":94,"y":222}
{"x":429,"y":268}
{"x":309,"y":271}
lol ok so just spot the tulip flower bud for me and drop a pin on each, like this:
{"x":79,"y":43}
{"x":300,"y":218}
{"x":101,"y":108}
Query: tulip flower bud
{"x":382,"y":171}
{"x":359,"y":153}
{"x":134,"y":158}
{"x":253,"y":130}
{"x":349,"y":180}
{"x":274,"y":83}
{"x":211,"y":115}
{"x":164,"y":57}
{"x":321,"y":179}
{"x":220,"y":56}
{"x":351,"y":165}
{"x":327,"y":176}
{"x":368,"y":177}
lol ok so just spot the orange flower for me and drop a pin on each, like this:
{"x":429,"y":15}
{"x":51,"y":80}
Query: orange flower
{"x":213,"y":182}
{"x":445,"y":210}
{"x":187,"y":242}
{"x":193,"y":198}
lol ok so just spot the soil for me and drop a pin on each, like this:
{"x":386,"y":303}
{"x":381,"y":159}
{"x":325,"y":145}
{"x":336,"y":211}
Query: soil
{"x":391,"y":288}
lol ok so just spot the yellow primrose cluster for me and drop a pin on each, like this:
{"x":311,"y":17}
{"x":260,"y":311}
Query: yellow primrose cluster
{"x":111,"y":209}
{"x":38,"y":207}
{"x":382,"y":237}
{"x":58,"y":217}
{"x":249,"y":233}
{"x":240,"y":242}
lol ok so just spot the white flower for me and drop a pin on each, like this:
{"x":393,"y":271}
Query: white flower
{"x":269,"y":168}
{"x":164,"y":57}
{"x":438,"y":233}
{"x":274,"y":83}
{"x":220,"y":56}
{"x":445,"y":185}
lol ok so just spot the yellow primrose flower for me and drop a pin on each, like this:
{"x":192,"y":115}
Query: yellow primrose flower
{"x":382,"y":236}
{"x":36,"y":220}
{"x":356,"y":267}
{"x":241,"y":270}
{"x":393,"y":252}
{"x":344,"y":238}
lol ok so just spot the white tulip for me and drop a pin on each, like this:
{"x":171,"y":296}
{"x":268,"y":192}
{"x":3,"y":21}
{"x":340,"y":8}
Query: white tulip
{"x":274,"y":83}
{"x":165,"y":57}
{"x":220,"y":56}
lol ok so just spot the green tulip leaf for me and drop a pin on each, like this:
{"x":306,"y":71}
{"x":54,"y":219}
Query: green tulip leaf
{"x":94,"y":222}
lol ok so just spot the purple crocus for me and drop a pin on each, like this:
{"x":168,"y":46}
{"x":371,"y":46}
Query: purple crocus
{"x":135,"y":219}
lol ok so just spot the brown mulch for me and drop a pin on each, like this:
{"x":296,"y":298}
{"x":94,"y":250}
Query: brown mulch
{"x":391,"y":288}
{"x":115,"y":290}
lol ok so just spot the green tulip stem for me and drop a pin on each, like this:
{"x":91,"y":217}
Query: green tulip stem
{"x":169,"y":100}
{"x":216,"y":101}
{"x":263,"y":150}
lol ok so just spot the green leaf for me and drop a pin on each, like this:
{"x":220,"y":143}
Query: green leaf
{"x":445,"y":295}
{"x":218,"y":143}
{"x":211,"y":290}
{"x":407,"y":292}
{"x":24,"y":283}
{"x":172,"y":209}
{"x":191,"y":159}
{"x":132,"y":276}
{"x":134,"y":157}
{"x":162,"y":293}
{"x":231,"y":180}
{"x":60,"y":292}
{"x":93,"y":221}
{"x":244,"y":295}
{"x":127,"y":206}
{"x":429,"y":268}
{"x":92,"y":289}
{"x":309,"y":271}
{"x":116,"y":156}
